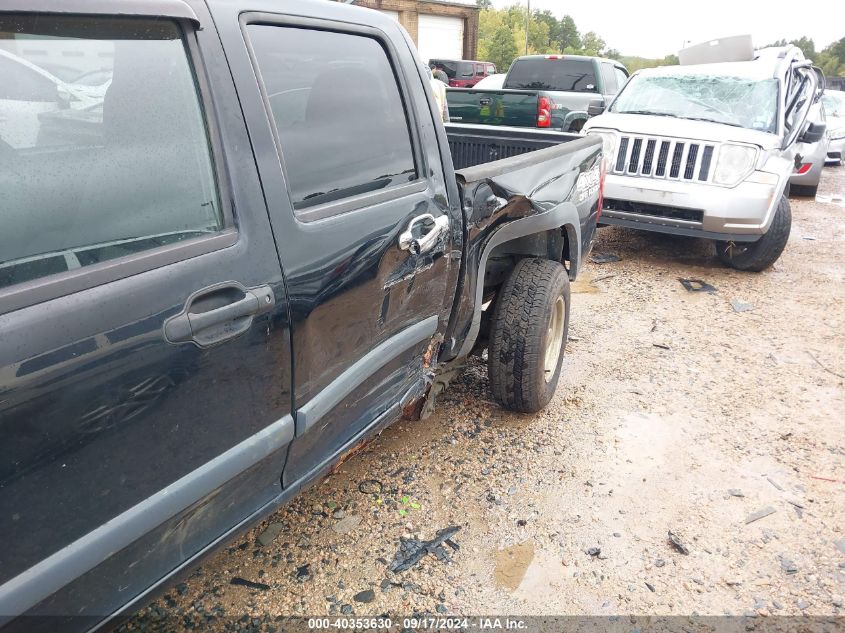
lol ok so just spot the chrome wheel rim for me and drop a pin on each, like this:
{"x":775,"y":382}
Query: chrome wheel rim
{"x":554,"y":339}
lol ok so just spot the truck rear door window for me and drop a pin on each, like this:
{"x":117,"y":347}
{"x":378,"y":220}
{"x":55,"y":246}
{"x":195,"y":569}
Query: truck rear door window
{"x":338,"y":112}
{"x":563,"y":75}
{"x":108,"y":160}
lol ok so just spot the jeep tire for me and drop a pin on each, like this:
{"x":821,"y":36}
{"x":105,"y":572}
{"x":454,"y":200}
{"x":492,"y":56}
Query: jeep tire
{"x":759,"y":255}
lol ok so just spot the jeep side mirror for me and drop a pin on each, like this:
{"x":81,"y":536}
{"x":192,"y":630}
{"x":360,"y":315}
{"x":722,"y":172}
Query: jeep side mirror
{"x":814,"y":133}
{"x":596,"y":107}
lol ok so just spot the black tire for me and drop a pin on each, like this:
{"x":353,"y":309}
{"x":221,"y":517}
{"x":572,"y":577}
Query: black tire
{"x":518,"y":331}
{"x":759,"y":255}
{"x":576,"y":126}
{"x":804,"y":191}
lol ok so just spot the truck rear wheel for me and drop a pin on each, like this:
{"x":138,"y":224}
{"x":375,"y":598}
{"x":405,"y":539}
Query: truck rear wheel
{"x":528,"y":335}
{"x":759,"y":255}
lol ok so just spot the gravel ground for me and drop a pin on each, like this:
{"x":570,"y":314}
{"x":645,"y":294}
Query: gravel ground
{"x":675,"y":412}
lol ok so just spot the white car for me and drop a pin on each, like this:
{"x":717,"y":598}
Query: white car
{"x":834,"y":105}
{"x":709,"y":151}
{"x":27,"y":92}
{"x":491,"y":82}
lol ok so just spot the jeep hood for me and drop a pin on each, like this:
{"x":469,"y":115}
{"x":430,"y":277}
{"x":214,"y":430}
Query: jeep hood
{"x":681,"y":128}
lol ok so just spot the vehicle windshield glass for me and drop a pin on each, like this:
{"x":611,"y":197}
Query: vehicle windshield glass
{"x":562,"y":75}
{"x":834,"y":104}
{"x":737,"y":101}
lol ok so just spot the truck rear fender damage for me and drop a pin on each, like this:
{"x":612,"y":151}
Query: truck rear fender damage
{"x":533,"y":205}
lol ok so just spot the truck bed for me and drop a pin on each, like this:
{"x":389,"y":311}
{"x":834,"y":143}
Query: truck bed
{"x":473,"y":146}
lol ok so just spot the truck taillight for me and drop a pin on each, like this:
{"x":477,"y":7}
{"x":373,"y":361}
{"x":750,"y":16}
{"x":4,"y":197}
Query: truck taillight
{"x":602,"y":175}
{"x":544,"y":112}
{"x":803,"y":168}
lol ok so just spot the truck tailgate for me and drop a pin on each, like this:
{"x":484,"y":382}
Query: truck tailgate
{"x":493,"y":107}
{"x":474,"y":145}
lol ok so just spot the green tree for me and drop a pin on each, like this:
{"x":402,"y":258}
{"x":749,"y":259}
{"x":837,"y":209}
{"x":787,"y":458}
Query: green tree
{"x":592,"y":44}
{"x":807,"y":46}
{"x":495,"y":39}
{"x":832,"y":59}
{"x":547,"y":17}
{"x":567,"y":34}
{"x":484,"y":4}
{"x":538,"y":37}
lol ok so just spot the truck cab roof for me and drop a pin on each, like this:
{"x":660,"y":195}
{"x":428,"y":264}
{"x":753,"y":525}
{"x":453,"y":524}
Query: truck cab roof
{"x":554,"y":56}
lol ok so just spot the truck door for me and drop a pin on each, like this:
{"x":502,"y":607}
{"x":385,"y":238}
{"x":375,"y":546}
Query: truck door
{"x":352,"y":173}
{"x":144,"y":346}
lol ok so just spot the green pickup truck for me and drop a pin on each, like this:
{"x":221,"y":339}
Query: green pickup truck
{"x":545,"y":91}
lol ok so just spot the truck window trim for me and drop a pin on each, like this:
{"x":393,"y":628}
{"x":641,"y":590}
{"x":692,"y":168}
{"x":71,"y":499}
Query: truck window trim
{"x":54,"y":286}
{"x":172,"y":9}
{"x":353,"y":202}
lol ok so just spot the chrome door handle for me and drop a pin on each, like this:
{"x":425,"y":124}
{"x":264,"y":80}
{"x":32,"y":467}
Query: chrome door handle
{"x":434,"y":227}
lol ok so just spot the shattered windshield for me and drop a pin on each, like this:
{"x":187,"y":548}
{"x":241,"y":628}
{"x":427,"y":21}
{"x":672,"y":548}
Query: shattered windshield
{"x":834,"y":104}
{"x":737,"y":101}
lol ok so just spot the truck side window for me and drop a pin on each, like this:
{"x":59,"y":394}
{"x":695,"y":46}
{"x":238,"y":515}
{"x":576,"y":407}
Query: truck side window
{"x":338,"y":112}
{"x":98,"y":167}
{"x":609,"y":78}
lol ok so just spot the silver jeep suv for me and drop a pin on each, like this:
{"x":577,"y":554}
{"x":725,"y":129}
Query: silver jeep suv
{"x":708,"y":150}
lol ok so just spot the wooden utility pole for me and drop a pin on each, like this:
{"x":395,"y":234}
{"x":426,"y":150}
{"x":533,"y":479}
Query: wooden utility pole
{"x":527,"y":22}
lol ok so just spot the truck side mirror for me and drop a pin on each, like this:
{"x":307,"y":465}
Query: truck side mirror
{"x":596,"y":107}
{"x":814,"y":133}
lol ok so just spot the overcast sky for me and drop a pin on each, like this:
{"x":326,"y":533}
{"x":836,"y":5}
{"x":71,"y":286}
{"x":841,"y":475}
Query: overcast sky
{"x":654,"y":28}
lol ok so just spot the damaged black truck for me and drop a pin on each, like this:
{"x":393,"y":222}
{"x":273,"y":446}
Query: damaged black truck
{"x":251,"y":250}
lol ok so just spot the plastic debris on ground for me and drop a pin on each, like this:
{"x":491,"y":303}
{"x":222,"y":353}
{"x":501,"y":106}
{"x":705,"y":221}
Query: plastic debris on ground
{"x":604,"y":258}
{"x":678,"y":544}
{"x":740,"y":306}
{"x":243,"y":582}
{"x":696,"y":285}
{"x":411,"y":550}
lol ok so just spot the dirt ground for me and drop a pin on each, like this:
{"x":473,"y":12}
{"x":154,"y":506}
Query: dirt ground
{"x":675,"y":412}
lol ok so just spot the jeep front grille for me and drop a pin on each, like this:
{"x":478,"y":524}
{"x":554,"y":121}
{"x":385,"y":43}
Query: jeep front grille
{"x":667,"y":158}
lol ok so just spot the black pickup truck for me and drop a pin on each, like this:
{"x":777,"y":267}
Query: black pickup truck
{"x":260,"y":249}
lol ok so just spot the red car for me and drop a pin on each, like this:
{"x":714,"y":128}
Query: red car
{"x":464,"y":73}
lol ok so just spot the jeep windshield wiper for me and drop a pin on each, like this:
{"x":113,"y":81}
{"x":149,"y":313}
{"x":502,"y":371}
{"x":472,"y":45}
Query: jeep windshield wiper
{"x":706,"y":120}
{"x":648,"y":112}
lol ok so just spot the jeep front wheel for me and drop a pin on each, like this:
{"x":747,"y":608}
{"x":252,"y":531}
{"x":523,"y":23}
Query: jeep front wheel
{"x":759,"y":255}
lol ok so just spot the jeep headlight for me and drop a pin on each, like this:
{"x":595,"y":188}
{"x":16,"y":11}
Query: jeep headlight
{"x":608,"y":143}
{"x":837,"y":133}
{"x":735,"y":162}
